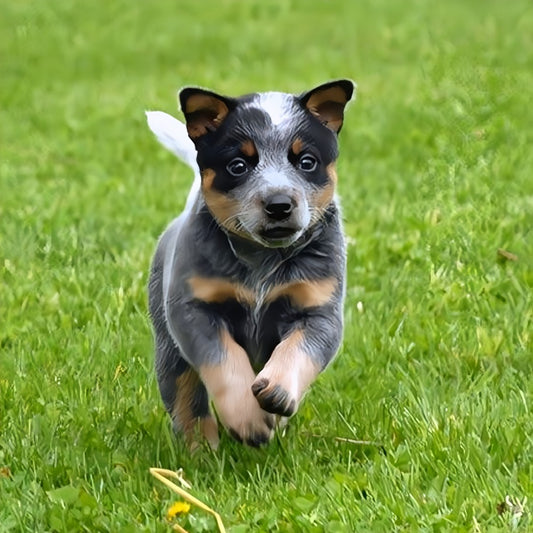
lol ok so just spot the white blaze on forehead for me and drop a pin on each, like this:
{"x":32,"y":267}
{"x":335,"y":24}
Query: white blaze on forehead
{"x":278,"y":106}
{"x":275,"y":179}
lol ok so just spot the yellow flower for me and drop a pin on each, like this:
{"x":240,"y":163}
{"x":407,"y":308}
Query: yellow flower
{"x":178,"y":508}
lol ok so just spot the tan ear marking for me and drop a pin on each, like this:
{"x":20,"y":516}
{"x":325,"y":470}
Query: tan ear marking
{"x":327,"y":103}
{"x":204,"y":113}
{"x":333,"y":94}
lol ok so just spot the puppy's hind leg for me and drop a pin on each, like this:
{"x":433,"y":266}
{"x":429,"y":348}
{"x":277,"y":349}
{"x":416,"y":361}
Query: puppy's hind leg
{"x":187,"y":403}
{"x":184,"y":395}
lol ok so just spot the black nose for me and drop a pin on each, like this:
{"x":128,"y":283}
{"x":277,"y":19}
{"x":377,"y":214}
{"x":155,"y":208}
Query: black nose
{"x":279,"y":207}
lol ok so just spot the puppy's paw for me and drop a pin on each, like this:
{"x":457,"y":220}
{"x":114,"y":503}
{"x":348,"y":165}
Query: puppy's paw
{"x":279,"y":387}
{"x":273,"y":397}
{"x":243,"y":417}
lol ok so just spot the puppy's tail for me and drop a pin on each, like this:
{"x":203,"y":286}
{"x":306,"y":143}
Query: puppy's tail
{"x":172,"y":134}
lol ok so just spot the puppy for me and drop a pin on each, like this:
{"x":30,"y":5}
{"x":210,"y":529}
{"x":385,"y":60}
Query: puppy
{"x":247,"y":284}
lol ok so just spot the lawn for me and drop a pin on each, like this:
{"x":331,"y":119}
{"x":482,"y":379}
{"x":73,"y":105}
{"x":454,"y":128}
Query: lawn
{"x":424,"y":422}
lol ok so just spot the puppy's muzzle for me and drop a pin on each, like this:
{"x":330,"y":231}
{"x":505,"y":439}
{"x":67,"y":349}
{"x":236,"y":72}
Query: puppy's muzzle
{"x":279,"y":207}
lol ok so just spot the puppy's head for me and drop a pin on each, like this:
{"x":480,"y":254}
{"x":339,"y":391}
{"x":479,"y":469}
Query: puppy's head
{"x":267,"y":160}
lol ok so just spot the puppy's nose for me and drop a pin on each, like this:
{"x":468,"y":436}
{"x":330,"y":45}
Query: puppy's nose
{"x":279,"y":207}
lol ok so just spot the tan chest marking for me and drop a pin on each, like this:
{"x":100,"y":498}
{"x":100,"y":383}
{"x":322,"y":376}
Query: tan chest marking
{"x":302,"y":294}
{"x":305,"y":293}
{"x":218,"y":290}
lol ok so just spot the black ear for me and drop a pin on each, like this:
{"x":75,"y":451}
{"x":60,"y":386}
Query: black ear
{"x":204,"y":111}
{"x":327,"y":102}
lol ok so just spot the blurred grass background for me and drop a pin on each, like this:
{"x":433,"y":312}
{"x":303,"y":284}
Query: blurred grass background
{"x":435,"y":175}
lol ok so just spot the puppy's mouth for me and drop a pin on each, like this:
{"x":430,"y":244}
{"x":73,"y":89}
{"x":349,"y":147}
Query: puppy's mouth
{"x":278,"y":236}
{"x":278,"y":233}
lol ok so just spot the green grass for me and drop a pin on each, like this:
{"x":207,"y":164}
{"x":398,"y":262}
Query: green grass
{"x":436,"y":175}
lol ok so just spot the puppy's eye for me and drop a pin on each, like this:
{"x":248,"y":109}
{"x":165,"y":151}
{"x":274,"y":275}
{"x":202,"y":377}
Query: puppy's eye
{"x":237,"y":167}
{"x":307,"y":163}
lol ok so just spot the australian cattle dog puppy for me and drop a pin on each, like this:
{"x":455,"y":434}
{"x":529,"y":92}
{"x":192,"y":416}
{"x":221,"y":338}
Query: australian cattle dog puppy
{"x":247,"y":284}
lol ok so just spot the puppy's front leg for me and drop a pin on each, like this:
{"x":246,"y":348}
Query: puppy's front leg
{"x":229,"y":385}
{"x":225,"y":370}
{"x":295,"y":363}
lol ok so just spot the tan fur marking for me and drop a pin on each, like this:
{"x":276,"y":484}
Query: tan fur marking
{"x":324,"y":196}
{"x":328,"y":106}
{"x":229,"y":385}
{"x":211,"y":112}
{"x":297,"y":146}
{"x":209,"y":430}
{"x":331,"y":171}
{"x":290,"y":367}
{"x":208,"y":176}
{"x":181,"y":412}
{"x":305,"y":293}
{"x":248,"y":148}
{"x":218,"y":290}
{"x":215,"y":376}
{"x":205,"y":428}
{"x":332,"y":94}
{"x":221,"y":206}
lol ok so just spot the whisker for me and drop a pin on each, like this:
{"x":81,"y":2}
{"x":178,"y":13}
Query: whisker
{"x":234,"y":221}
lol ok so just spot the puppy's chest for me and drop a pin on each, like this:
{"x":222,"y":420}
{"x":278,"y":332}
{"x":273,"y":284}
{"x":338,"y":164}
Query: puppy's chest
{"x":260,"y":310}
{"x":257,"y":296}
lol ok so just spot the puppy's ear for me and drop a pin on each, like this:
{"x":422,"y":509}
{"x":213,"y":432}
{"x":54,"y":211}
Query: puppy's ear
{"x":327,"y":102}
{"x":204,"y":111}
